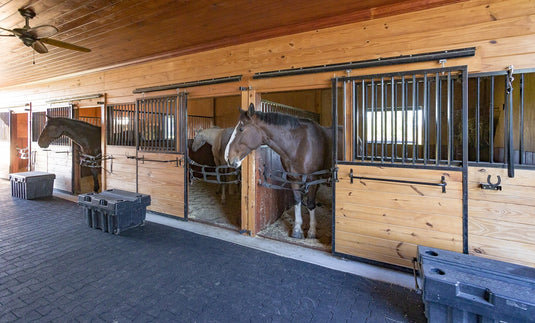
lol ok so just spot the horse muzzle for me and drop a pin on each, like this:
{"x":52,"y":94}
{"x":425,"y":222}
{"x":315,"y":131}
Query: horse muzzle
{"x":234,"y":162}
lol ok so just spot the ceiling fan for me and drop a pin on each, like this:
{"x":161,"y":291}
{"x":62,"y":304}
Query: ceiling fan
{"x":37,"y":37}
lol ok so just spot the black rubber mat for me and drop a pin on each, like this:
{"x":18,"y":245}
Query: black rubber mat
{"x":53,"y":267}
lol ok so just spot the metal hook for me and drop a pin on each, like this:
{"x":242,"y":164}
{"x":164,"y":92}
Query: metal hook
{"x":492,"y":186}
{"x":510,"y":78}
{"x":443,"y":62}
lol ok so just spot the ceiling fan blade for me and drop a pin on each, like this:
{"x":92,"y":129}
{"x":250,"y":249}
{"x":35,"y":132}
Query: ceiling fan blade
{"x":43,"y":31}
{"x":39,"y":47}
{"x":14,"y":32}
{"x":61,"y":44}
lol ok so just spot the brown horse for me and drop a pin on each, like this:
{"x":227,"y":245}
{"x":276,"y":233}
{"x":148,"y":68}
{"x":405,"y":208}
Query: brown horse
{"x":83,"y":134}
{"x":218,"y":138}
{"x":304,"y":146}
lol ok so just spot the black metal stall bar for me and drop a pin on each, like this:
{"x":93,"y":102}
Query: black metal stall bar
{"x":490,"y":108}
{"x":411,"y":118}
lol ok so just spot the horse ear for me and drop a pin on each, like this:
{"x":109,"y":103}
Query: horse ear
{"x":251,"y":110}
{"x":243,"y":113}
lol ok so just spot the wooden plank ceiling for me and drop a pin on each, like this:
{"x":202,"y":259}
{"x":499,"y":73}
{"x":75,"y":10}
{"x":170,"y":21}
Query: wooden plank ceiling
{"x":121,"y":32}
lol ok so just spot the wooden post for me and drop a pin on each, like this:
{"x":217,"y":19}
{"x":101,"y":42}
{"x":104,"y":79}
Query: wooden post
{"x":248,"y":175}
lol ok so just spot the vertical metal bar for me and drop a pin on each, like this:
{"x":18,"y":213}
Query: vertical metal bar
{"x":414,"y":117}
{"x":521,"y":117}
{"x":426,"y":118}
{"x":136,"y":127}
{"x":334,"y":98}
{"x":449,"y":114}
{"x":477,"y":119}
{"x":383,"y":120}
{"x":374,"y":120}
{"x":364,"y":121}
{"x":122,"y":128}
{"x":183,"y":109}
{"x":465,"y":158}
{"x":344,"y":104}
{"x":403,"y":121}
{"x":510,"y":132}
{"x":438,"y":114}
{"x":355,"y":123}
{"x":394,"y":121}
{"x":491,"y":121}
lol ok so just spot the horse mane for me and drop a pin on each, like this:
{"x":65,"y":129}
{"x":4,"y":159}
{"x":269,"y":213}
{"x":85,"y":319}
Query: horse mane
{"x":281,"y":119}
{"x":77,"y":122}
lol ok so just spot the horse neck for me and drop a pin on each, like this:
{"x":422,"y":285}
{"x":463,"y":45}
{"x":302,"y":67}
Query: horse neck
{"x":277,"y":137}
{"x":74,"y":132}
{"x":210,"y":135}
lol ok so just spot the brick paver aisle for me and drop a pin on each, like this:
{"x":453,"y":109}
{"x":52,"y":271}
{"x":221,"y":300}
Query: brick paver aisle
{"x":55,"y":268}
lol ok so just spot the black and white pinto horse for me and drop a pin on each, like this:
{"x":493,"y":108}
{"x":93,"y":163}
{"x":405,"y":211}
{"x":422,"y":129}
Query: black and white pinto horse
{"x":303,"y":145}
{"x":83,"y":134}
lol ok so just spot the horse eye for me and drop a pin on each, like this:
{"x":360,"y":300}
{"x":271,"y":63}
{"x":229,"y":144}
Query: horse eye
{"x":240,"y":129}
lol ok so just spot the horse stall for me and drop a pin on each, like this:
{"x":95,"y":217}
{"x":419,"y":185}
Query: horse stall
{"x":274,"y":199}
{"x":213,"y":187}
{"x":57,"y":158}
{"x":62,"y":157}
{"x":437,"y":158}
{"x":14,"y":140}
{"x":145,"y":151}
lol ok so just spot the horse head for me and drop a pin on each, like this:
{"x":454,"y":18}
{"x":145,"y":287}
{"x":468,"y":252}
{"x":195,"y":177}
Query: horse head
{"x":199,"y":140}
{"x":50,"y":132}
{"x":246,"y":137}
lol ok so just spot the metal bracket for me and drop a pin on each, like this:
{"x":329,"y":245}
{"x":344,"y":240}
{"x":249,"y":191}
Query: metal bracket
{"x":492,"y":186}
{"x":143,"y":160}
{"x":441,"y":184}
{"x":245,"y":231}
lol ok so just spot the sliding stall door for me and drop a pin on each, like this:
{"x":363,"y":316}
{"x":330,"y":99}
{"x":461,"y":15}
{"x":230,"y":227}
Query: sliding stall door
{"x":160,"y":154}
{"x":401,"y":175}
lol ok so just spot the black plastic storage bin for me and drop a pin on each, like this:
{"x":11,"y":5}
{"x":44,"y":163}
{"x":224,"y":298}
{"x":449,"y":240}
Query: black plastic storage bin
{"x":32,"y":185}
{"x":466,"y":288}
{"x":114,"y":210}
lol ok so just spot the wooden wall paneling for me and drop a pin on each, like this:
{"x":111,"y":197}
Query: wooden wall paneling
{"x":503,"y":250}
{"x":381,"y":217}
{"x":121,"y":170}
{"x":500,"y":223}
{"x":227,"y":110}
{"x":59,"y":162}
{"x":164,"y":181}
{"x":270,"y":203}
{"x":201,"y":107}
{"x":378,"y":249}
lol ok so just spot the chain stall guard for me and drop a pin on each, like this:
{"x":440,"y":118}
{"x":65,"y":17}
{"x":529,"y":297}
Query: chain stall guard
{"x":95,"y":161}
{"x":217,"y":173}
{"x":279,"y":179}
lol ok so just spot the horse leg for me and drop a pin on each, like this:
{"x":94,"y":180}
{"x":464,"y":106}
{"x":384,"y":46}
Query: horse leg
{"x":297,"y":231}
{"x":311,"y":206}
{"x":96,"y":186}
{"x":223,"y":195}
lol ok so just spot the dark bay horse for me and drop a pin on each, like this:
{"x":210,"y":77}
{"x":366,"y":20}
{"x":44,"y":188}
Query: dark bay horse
{"x":303,"y":145}
{"x":83,"y":134}
{"x":218,"y":138}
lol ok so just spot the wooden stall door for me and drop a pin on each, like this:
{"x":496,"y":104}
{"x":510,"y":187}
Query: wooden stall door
{"x":20,"y":142}
{"x":400,"y":177}
{"x":160,"y":154}
{"x":386,"y":221}
{"x":5,"y":144}
{"x":501,"y":223}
